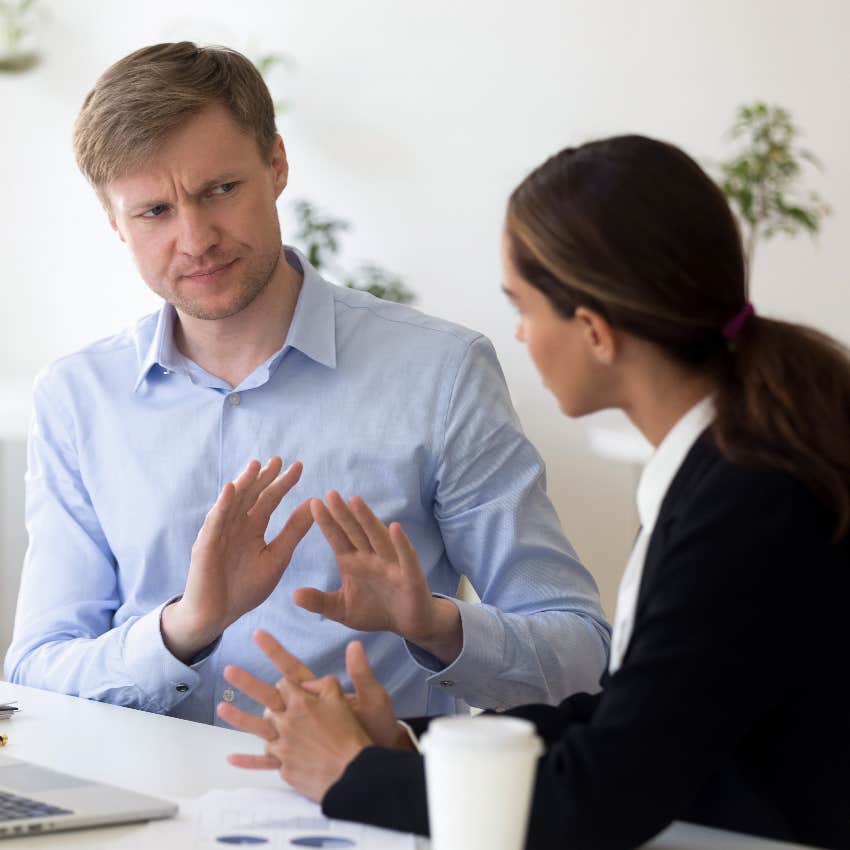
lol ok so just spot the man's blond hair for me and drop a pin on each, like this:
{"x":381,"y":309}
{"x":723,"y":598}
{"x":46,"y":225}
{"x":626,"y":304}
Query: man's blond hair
{"x":141,"y":99}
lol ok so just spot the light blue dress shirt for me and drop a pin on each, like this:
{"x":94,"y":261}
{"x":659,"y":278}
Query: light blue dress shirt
{"x":131,"y":443}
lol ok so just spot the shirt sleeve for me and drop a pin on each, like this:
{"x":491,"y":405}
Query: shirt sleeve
{"x":64,"y":639}
{"x":539,"y":633}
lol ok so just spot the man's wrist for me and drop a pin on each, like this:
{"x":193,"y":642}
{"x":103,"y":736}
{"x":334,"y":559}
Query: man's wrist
{"x":446,"y":638}
{"x":182,"y":633}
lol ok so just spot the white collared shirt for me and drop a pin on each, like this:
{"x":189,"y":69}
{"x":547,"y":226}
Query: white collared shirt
{"x":655,"y":480}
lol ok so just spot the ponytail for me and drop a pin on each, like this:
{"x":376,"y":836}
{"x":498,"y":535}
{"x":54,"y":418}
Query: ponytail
{"x":783,"y":400}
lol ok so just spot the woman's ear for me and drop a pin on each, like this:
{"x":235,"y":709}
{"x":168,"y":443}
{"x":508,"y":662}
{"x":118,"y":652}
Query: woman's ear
{"x":599,"y":337}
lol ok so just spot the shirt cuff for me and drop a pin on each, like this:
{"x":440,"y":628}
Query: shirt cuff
{"x":480,"y":655}
{"x":410,"y":733}
{"x":164,"y":679}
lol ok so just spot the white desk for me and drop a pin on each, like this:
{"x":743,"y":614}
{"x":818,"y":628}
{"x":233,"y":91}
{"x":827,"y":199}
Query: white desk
{"x":176,"y":758}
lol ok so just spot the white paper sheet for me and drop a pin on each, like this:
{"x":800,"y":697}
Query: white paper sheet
{"x":257,"y":819}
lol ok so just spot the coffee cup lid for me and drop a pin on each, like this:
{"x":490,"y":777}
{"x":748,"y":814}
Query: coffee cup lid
{"x":487,"y":731}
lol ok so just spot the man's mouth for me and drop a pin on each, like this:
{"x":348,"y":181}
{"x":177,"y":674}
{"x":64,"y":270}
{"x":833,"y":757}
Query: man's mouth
{"x":208,"y":274}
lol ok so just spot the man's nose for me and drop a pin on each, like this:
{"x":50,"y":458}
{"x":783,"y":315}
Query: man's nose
{"x":196,"y":233}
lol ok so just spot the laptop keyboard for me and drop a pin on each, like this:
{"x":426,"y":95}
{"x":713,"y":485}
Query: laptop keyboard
{"x":13,"y":807}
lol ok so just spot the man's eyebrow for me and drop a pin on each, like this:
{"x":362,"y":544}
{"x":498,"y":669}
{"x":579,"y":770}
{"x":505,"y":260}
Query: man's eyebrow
{"x":227,"y":177}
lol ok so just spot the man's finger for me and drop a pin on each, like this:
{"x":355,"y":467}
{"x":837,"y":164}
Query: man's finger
{"x":250,"y":762}
{"x":330,"y":604}
{"x":289,"y":666}
{"x":375,"y":530}
{"x":273,"y":492}
{"x":334,"y":534}
{"x":265,"y":477}
{"x":347,"y":521}
{"x":216,"y":520}
{"x":405,"y":553}
{"x":244,"y":481}
{"x":283,"y":546}
{"x":246,"y":722}
{"x":258,"y":690}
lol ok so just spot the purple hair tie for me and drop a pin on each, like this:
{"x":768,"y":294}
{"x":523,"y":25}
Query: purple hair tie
{"x":733,"y":327}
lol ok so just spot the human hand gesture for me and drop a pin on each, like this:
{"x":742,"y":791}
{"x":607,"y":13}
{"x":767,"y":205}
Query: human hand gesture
{"x":383,"y":586}
{"x":317,"y":736}
{"x":370,"y":703}
{"x":233,"y":569}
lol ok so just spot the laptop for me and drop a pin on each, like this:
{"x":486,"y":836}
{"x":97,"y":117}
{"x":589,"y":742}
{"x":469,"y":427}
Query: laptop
{"x":36,"y":799}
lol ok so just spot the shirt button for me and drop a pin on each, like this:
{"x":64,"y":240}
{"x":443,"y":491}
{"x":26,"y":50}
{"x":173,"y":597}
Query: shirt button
{"x":228,"y":695}
{"x":447,"y":683}
{"x":181,"y":687}
{"x":233,"y":399}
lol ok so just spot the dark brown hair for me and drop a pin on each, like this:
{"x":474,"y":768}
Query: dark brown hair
{"x":142,"y":98}
{"x":634,"y":229}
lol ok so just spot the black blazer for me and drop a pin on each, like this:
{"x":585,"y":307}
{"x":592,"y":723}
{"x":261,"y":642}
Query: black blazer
{"x":731,"y":706}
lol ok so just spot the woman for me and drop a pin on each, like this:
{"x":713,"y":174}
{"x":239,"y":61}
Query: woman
{"x":726,"y":697}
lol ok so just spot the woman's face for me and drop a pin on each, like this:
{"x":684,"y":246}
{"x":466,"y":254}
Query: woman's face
{"x":558,"y":346}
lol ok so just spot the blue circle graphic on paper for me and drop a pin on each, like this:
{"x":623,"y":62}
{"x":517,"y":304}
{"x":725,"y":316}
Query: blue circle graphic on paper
{"x":242,"y":839}
{"x":322,"y":841}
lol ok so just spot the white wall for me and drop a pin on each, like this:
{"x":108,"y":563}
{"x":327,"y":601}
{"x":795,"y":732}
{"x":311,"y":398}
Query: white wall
{"x":415,"y":121}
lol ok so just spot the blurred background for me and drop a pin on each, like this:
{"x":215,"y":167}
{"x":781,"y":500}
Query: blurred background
{"x":414,"y":122}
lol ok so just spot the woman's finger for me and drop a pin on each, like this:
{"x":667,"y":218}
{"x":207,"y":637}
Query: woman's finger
{"x":290,"y":667}
{"x":251,"y":686}
{"x":246,"y":722}
{"x":251,"y":762}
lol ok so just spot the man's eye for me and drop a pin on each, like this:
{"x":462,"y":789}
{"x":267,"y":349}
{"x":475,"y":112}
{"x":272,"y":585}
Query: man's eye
{"x":224,"y":188}
{"x":154,"y":212}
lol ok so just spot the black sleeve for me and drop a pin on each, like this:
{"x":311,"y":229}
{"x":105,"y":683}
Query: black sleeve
{"x":709,"y":655}
{"x":549,"y":720}
{"x":382,"y":788}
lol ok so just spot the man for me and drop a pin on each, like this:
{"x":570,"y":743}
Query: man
{"x":253,"y":355}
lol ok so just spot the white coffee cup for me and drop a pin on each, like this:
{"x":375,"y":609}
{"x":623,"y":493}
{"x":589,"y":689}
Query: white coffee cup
{"x":479,"y":773}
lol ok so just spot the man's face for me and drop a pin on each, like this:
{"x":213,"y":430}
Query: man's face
{"x":200,"y":216}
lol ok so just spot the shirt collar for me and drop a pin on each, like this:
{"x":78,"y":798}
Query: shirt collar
{"x":312,"y":330}
{"x":313,"y":327}
{"x":161,"y":350}
{"x":668,"y":457}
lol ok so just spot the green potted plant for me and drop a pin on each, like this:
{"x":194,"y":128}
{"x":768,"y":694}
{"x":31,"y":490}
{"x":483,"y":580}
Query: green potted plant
{"x":318,"y":234}
{"x":762,"y":180}
{"x":17,"y":29}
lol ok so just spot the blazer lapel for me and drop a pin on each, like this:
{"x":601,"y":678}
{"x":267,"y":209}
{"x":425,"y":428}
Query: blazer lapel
{"x":702,"y":456}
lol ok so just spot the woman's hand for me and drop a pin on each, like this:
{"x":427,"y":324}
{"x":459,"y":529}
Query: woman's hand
{"x":318,"y":735}
{"x":383,"y":586}
{"x":370,"y":703}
